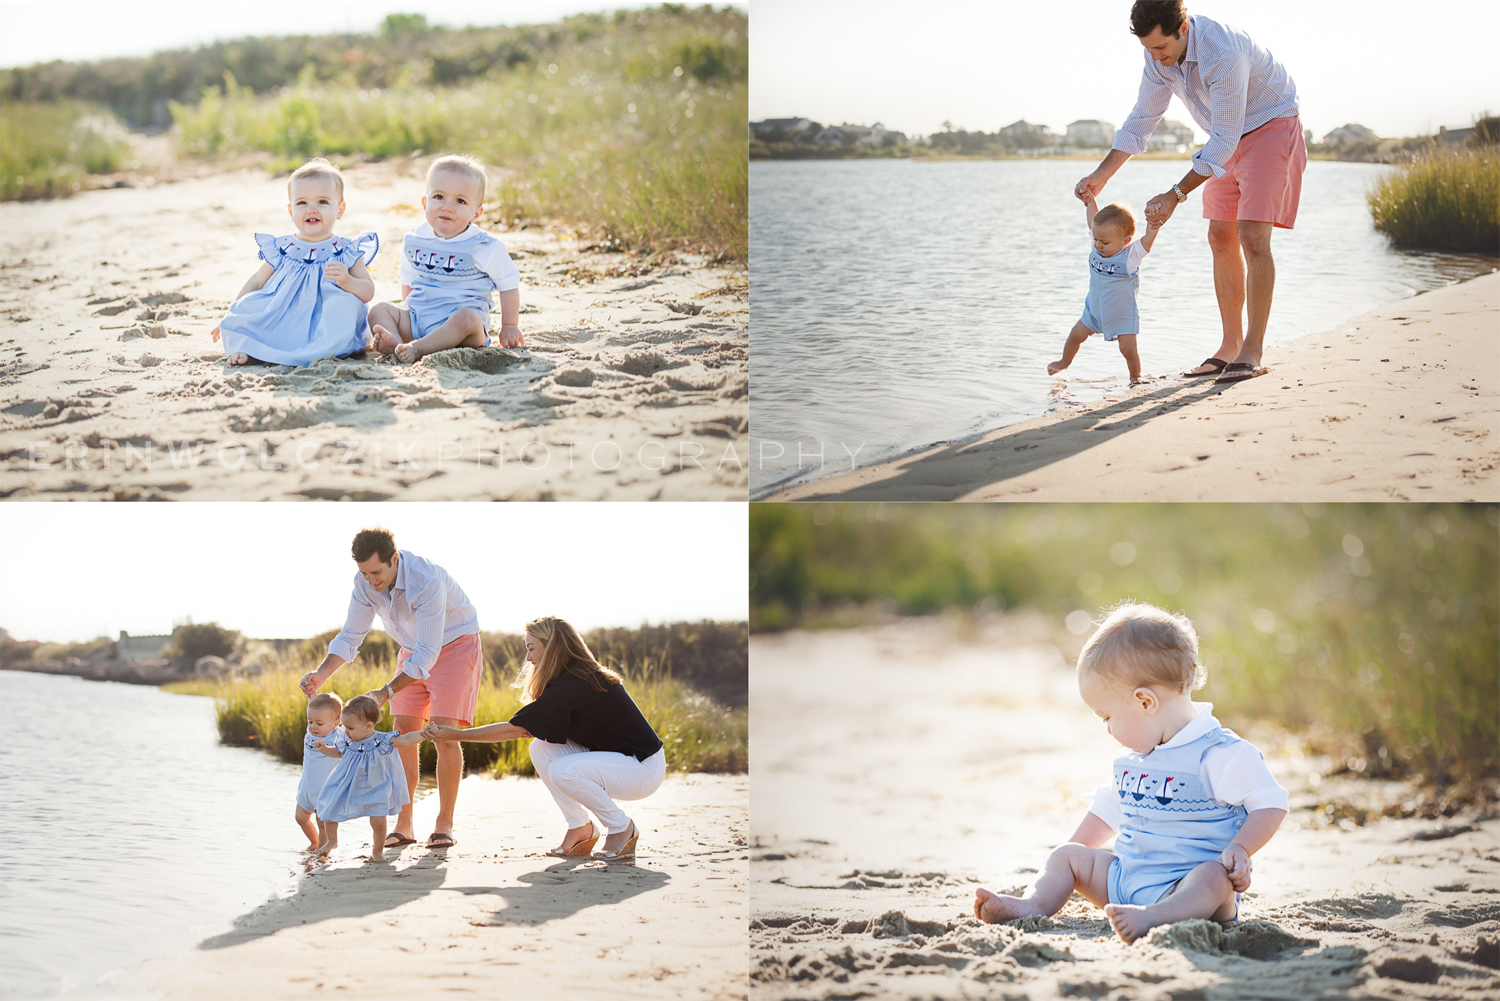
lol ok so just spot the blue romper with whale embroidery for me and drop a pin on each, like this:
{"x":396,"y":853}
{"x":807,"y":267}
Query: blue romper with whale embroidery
{"x":1171,"y":824}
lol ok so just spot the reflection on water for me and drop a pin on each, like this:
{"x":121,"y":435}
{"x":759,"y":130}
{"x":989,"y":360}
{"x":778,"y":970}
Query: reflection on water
{"x":130,"y":831}
{"x":898,"y":303}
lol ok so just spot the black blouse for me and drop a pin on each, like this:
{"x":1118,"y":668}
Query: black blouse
{"x":570,"y":709}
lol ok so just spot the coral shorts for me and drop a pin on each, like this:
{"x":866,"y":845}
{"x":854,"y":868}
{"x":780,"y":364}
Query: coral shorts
{"x":1262,"y":182}
{"x":450,"y":689}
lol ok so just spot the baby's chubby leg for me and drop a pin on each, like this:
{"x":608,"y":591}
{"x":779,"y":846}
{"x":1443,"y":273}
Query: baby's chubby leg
{"x":377,"y":845}
{"x":310,"y":828}
{"x":330,"y":837}
{"x":1076,"y":337}
{"x":1071,"y":867}
{"x":464,"y":329}
{"x":1204,"y":893}
{"x":390,"y":327}
{"x":1132,"y":360}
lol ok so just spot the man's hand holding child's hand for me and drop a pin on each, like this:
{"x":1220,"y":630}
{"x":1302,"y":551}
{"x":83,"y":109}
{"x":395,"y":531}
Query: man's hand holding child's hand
{"x":1237,"y":861}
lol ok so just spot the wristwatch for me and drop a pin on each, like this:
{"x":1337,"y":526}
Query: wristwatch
{"x":389,"y":692}
{"x":1181,"y":195}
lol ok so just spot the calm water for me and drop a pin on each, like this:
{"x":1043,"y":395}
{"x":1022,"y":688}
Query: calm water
{"x":896,"y":303}
{"x":129,"y":830}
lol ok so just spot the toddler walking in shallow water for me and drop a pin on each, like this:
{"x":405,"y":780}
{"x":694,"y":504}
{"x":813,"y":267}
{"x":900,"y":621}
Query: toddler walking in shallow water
{"x":1114,"y":280}
{"x":368,"y":780}
{"x":1189,"y":801}
{"x":323,"y":729}
{"x":307,"y":299}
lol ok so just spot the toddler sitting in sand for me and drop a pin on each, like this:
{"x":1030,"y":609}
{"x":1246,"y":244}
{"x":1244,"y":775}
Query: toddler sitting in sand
{"x":307,"y":299}
{"x":1190,"y":801}
{"x":1114,"y":280}
{"x":323,"y":730}
{"x":368,"y":780}
{"x":449,"y":270}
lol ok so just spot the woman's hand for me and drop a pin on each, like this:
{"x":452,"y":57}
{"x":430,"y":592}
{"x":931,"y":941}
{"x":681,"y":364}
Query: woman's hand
{"x":437,"y":733}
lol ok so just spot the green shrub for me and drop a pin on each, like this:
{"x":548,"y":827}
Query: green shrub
{"x":1442,"y":199}
{"x":206,"y":639}
{"x":48,"y":150}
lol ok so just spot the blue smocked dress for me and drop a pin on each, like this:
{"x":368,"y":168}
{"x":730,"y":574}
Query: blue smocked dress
{"x":299,"y":316}
{"x":317,"y":766}
{"x":368,"y":781}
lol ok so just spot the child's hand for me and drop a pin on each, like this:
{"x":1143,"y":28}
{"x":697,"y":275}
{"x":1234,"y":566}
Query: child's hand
{"x":1237,"y":861}
{"x":336,"y":273}
{"x":319,"y":744}
{"x":510,"y":336}
{"x":215,"y":334}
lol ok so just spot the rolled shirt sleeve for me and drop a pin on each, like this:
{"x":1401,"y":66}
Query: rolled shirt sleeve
{"x":429,"y":606}
{"x":357,"y":623}
{"x":1134,"y":136}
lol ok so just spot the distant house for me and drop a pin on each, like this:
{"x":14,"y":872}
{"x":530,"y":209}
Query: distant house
{"x":1169,"y":135}
{"x":1349,"y":133}
{"x":857,"y":135}
{"x":1453,"y":137}
{"x":140,"y":647}
{"x":784,"y":129}
{"x":1024,"y":133}
{"x":1090,"y":133}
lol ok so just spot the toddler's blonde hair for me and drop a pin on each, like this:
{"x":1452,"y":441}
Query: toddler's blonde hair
{"x":316,"y":167}
{"x":326,"y":700}
{"x":1139,"y":644}
{"x":1116,"y":214}
{"x":460,"y":164}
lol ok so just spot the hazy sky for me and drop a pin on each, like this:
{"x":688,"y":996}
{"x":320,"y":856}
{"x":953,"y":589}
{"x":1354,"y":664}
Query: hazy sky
{"x":1398,"y":68}
{"x":38,"y":31}
{"x":76,"y":571}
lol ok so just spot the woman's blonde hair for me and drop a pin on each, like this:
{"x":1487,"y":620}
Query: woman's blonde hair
{"x":563,"y":651}
{"x":1139,"y":644}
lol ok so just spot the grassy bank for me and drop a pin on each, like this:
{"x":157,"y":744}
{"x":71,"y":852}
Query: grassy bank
{"x":268,"y":710}
{"x":1372,"y":630}
{"x":1442,"y":199}
{"x":48,"y":150}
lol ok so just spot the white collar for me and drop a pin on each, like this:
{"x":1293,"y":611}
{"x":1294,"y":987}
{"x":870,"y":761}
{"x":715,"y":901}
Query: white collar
{"x":426,"y":231}
{"x":1202,"y":722}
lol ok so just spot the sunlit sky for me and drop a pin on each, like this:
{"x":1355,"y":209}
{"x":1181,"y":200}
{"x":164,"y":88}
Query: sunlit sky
{"x":1399,"y":68}
{"x":76,"y":571}
{"x":42,"y":31}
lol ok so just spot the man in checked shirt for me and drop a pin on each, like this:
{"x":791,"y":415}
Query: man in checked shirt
{"x":437,"y":671}
{"x":1252,"y":163}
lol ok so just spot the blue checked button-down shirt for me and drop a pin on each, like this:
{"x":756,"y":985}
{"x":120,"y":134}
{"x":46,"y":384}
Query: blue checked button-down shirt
{"x":424,"y":611}
{"x":1229,"y":84}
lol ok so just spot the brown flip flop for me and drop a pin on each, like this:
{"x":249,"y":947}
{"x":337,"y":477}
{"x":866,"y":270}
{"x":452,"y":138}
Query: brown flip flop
{"x":1217,"y":363}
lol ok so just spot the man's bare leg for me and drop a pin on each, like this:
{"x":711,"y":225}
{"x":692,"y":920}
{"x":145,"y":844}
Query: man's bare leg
{"x":411,"y":759}
{"x":1260,"y":285}
{"x":1076,"y":337}
{"x":390,"y":327}
{"x":450,"y":771}
{"x":464,"y":329}
{"x":1204,"y":893}
{"x":1071,"y":867}
{"x":1229,"y":289}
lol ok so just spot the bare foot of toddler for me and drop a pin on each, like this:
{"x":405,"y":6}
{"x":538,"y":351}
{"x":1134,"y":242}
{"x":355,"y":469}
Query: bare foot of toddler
{"x":992,"y":908}
{"x":381,"y":340}
{"x":377,"y":854}
{"x":327,"y":847}
{"x":1129,"y":921}
{"x":409,"y":352}
{"x":1055,"y":367}
{"x":239,"y":358}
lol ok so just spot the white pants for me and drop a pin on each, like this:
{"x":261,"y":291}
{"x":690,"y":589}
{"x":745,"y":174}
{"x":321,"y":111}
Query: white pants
{"x":582,"y":780}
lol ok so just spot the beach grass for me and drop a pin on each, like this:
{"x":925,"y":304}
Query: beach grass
{"x":48,"y":150}
{"x":1442,"y":199}
{"x":1368,"y":629}
{"x":268,"y":709}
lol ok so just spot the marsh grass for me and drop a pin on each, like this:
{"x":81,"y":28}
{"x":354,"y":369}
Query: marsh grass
{"x":48,"y":150}
{"x":1442,"y":199}
{"x":1370,"y":630}
{"x":268,"y":710}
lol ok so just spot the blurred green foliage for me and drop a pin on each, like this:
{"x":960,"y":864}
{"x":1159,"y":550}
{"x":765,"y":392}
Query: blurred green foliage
{"x":1442,"y":199}
{"x":47,"y":150}
{"x":202,"y":639}
{"x":1372,"y":628}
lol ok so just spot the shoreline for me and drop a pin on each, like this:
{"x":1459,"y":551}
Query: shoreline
{"x":1413,"y":378}
{"x":494,"y":916}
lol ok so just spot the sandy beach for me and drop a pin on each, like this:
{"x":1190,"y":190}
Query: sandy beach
{"x":900,"y":766}
{"x":1400,"y":404}
{"x":495,"y":917}
{"x":632,"y":384}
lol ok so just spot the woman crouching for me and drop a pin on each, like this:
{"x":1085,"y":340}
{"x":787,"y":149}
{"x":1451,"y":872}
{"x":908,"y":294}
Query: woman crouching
{"x":590,"y":744}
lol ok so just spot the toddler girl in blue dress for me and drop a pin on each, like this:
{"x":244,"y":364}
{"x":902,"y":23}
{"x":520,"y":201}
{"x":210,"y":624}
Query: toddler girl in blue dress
{"x":323,"y":712}
{"x":368,"y":780}
{"x":308,"y":298}
{"x":1188,"y":803}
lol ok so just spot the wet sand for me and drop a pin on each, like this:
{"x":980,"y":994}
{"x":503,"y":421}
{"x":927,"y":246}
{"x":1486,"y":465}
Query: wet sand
{"x":899,"y":767}
{"x":493,"y":916}
{"x":1400,"y":404}
{"x":632,"y":384}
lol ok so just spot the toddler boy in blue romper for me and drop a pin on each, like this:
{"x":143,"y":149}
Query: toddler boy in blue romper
{"x":1114,"y":280}
{"x":1189,"y":801}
